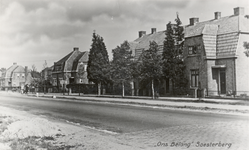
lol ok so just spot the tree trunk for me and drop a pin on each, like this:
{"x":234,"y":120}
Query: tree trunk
{"x":152,"y":88}
{"x":99,"y":88}
{"x":123,"y":92}
{"x":132,"y":88}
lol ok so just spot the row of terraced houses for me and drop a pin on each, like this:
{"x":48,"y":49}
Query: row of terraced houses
{"x":213,"y":54}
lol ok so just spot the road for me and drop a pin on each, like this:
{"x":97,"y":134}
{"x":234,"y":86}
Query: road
{"x":112,"y":117}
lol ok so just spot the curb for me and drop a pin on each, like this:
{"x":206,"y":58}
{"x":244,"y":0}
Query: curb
{"x":204,"y":108}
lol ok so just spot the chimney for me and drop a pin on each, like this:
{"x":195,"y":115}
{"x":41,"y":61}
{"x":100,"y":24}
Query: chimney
{"x":14,"y":63}
{"x":193,"y":21}
{"x":238,"y":11}
{"x":141,"y":33}
{"x":153,"y":30}
{"x":217,"y":15}
{"x":75,"y":49}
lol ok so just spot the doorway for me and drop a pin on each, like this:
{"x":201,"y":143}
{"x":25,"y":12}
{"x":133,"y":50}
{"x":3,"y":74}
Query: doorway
{"x":222,"y":81}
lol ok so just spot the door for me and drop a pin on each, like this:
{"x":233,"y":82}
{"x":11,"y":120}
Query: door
{"x":222,"y":82}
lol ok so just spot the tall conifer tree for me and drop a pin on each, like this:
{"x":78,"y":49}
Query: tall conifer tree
{"x":98,"y":62}
{"x":172,"y":56}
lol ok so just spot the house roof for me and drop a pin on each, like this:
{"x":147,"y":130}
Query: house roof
{"x":10,"y":70}
{"x":228,"y":24}
{"x":143,"y":43}
{"x":63,"y":64}
{"x":220,"y":36}
{"x":82,"y":57}
{"x":64,"y":58}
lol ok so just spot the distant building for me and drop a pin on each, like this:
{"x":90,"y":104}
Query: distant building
{"x":46,"y":75}
{"x":214,"y":54}
{"x":65,"y":71}
{"x":15,"y":77}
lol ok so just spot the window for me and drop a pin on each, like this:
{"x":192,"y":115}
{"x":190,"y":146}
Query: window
{"x":58,"y":68}
{"x":194,"y":78}
{"x":85,"y":67}
{"x":192,"y":50}
{"x":18,"y":75}
{"x":23,"y":75}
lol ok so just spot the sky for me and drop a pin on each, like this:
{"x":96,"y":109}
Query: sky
{"x":35,"y":31}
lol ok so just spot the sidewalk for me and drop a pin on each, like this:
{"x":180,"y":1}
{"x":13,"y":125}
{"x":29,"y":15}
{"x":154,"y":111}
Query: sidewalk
{"x":205,"y":103}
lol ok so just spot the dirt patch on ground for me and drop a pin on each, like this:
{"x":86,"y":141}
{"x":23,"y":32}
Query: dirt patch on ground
{"x":20,"y":130}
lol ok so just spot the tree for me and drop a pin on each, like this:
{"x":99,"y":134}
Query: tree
{"x":172,"y":55}
{"x":44,"y":76}
{"x":37,"y":80}
{"x":121,"y":64}
{"x":98,"y":62}
{"x":33,"y":71}
{"x":246,"y":46}
{"x":151,"y":66}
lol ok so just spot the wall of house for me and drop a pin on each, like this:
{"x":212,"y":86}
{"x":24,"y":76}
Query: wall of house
{"x":83,"y":79}
{"x":242,"y":67}
{"x":18,"y":79}
{"x":195,"y":62}
{"x":212,"y":78}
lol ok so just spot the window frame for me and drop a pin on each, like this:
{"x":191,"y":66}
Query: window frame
{"x":194,"y":49}
{"x":194,"y":77}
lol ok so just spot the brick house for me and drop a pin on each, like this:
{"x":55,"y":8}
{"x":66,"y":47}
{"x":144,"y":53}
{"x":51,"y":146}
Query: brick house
{"x":65,"y":70}
{"x":214,"y":54}
{"x":137,"y":47}
{"x":15,"y":77}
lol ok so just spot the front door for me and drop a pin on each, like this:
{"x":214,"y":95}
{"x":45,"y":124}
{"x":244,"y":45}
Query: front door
{"x":222,"y":82}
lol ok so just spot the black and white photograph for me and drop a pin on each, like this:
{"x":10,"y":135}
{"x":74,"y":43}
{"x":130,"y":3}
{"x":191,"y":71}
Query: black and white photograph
{"x":124,"y":74}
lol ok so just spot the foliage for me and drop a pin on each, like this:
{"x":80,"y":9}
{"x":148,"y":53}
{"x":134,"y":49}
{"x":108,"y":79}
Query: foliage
{"x":98,"y":61}
{"x":82,"y":88}
{"x":34,"y":72}
{"x":36,"y":82}
{"x":172,"y":56}
{"x":151,"y":65}
{"x":120,"y":68}
{"x":246,"y":46}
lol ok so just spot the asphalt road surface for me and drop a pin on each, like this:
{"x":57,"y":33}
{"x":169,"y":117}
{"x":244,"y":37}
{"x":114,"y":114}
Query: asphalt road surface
{"x":111,"y":117}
